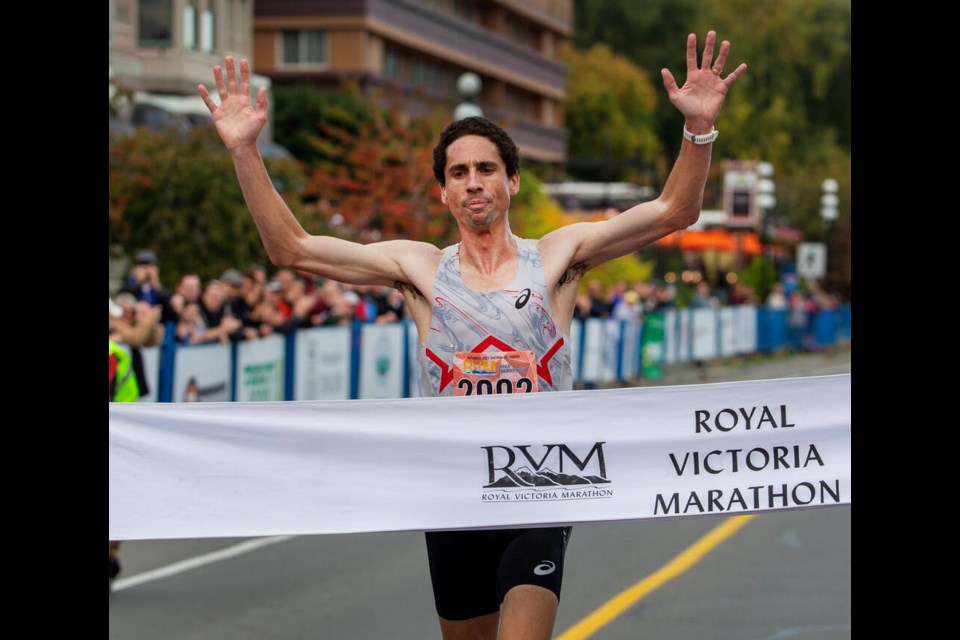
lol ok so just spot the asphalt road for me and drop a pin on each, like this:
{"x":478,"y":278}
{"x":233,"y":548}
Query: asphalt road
{"x":781,"y":575}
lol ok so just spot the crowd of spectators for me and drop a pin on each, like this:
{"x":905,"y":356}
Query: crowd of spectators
{"x":249,"y":304}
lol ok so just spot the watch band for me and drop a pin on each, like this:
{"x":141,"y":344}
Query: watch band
{"x":704,"y":138}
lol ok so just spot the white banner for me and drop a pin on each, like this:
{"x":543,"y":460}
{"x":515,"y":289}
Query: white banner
{"x":728,"y":331}
{"x":322,"y":364}
{"x":683,"y":332}
{"x":704,"y":334}
{"x":288,"y":468}
{"x":151,"y":367}
{"x":260,"y":366}
{"x":202,"y":373}
{"x":630,"y":349}
{"x":576,"y":334}
{"x":746,"y":328}
{"x":381,"y":360}
{"x":670,"y":338}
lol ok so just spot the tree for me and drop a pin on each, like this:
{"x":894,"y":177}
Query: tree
{"x":300,"y":111}
{"x":177,"y":193}
{"x":377,"y":174}
{"x":649,"y":34}
{"x":533,"y":214}
{"x":791,"y":108}
{"x":609,"y":117}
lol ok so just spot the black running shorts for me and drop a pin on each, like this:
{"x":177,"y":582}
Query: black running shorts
{"x":473,"y":570}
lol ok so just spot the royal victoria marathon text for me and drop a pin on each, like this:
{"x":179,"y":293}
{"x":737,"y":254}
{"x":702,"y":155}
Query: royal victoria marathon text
{"x":744,"y":461}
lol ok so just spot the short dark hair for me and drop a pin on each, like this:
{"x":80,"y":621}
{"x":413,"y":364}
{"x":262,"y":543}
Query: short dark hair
{"x":475,"y":126}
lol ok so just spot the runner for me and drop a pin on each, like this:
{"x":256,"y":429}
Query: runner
{"x":494,"y":294}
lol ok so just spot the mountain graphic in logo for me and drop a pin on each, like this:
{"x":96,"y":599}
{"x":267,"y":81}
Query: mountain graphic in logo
{"x":524,"y":477}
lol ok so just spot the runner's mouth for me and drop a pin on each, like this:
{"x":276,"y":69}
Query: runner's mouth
{"x":476,"y":204}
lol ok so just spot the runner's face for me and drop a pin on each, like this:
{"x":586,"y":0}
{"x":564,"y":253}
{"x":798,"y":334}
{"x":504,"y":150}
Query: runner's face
{"x":478,"y":189}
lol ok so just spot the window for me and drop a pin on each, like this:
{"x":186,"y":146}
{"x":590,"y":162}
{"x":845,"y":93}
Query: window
{"x":464,"y":9}
{"x":391,"y":65}
{"x":207,"y":39}
{"x":190,"y":26}
{"x":520,"y":103}
{"x":305,"y":47}
{"x":155,"y":24}
{"x":122,"y":11}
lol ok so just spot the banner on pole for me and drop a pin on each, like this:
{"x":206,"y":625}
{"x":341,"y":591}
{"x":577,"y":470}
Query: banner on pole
{"x":184,"y":470}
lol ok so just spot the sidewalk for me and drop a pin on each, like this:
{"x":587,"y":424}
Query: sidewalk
{"x":754,"y":367}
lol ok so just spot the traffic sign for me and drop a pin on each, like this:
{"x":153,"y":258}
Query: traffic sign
{"x":812,"y":259}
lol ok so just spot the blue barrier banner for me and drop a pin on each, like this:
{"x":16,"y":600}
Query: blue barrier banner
{"x":772,"y":329}
{"x":324,"y":363}
{"x":824,"y":327}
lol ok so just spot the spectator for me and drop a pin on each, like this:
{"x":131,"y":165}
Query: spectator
{"x":628,"y":308}
{"x":187,"y":291}
{"x":776,"y":299}
{"x":798,"y":318}
{"x":241,"y":295}
{"x":144,"y":284}
{"x":393,"y":308}
{"x":233,"y":302}
{"x":702,"y":298}
{"x":136,"y":324}
{"x":599,"y":307}
{"x":193,"y":329}
{"x":212,"y":303}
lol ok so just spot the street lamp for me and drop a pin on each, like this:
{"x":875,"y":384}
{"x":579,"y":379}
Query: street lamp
{"x":468,"y":88}
{"x":829,"y":211}
{"x":766,"y":201}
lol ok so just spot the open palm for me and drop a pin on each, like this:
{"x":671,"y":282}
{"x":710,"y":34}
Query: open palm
{"x":703,"y":91}
{"x":236,"y":121}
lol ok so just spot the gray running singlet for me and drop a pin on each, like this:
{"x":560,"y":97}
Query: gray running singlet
{"x":517,"y":318}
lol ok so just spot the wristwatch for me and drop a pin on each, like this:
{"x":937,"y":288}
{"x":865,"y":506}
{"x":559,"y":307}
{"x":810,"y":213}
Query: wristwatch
{"x":704,"y":138}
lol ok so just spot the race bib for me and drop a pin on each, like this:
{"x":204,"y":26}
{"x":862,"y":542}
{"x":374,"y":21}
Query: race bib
{"x":494,"y":372}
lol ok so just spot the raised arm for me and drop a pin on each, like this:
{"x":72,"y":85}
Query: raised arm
{"x":287,"y":243}
{"x":587,"y":245}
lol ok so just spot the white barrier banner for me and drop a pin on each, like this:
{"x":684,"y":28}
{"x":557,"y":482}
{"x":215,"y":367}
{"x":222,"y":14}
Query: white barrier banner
{"x":322,"y":364}
{"x":187,"y":470}
{"x":202,"y":373}
{"x":381,"y":361}
{"x":260,"y":366}
{"x":704,"y":334}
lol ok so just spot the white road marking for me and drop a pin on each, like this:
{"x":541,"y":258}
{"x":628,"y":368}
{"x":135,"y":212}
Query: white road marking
{"x":199,"y":561}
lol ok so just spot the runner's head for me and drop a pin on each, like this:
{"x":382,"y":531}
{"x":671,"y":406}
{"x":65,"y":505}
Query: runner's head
{"x":475,"y":126}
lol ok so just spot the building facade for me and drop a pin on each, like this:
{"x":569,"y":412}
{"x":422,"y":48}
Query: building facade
{"x":416,"y":50}
{"x":160,"y":50}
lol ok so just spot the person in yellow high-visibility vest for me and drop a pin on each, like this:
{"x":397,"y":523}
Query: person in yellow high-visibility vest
{"x":123,"y":379}
{"x":123,"y":388}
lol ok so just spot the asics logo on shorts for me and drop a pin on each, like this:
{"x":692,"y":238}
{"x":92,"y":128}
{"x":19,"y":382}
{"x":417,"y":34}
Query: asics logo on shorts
{"x":545,"y":568}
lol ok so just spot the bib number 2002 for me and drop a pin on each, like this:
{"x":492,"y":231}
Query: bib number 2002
{"x":485,"y":386}
{"x":492,"y":373}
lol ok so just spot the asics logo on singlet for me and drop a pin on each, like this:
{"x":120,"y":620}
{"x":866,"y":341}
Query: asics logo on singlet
{"x":545,"y":568}
{"x":522,"y":299}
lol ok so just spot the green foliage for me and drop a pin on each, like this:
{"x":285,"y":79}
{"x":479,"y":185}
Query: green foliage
{"x":609,"y":115}
{"x":376,"y":170}
{"x":792,"y":107}
{"x":300,"y":112}
{"x":177,"y":194}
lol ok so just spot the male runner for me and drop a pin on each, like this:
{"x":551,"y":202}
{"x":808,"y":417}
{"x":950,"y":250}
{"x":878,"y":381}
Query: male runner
{"x":492,"y":299}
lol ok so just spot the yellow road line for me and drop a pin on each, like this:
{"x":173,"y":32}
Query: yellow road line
{"x":630,"y":596}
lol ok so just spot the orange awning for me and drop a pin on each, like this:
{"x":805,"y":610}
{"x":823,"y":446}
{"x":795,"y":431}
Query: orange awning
{"x":715,"y":239}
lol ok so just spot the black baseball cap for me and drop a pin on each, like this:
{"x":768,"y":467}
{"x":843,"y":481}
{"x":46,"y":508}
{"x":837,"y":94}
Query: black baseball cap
{"x":145,"y":257}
